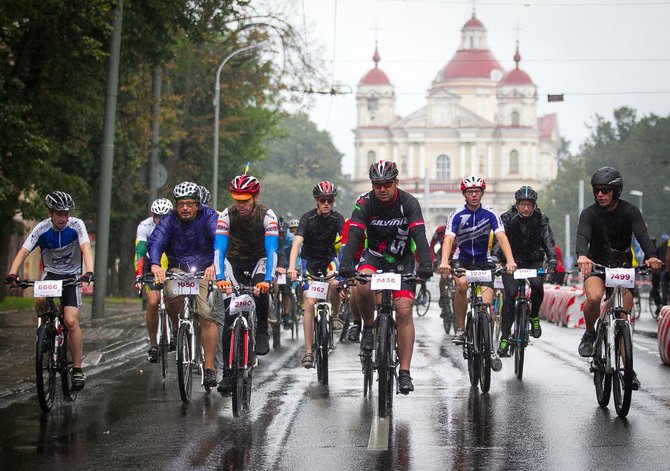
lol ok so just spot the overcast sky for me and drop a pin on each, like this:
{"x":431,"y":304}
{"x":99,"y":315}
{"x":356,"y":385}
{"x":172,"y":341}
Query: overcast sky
{"x":600,"y":54}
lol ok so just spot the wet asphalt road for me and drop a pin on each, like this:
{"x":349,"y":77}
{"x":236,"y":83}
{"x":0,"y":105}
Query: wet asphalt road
{"x":125,"y":419}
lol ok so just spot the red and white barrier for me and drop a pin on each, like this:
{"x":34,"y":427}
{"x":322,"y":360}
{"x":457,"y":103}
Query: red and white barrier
{"x":563,"y":305}
{"x":664,"y":334}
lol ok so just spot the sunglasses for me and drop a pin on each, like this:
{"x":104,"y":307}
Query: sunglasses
{"x":386,"y":185}
{"x":476,"y":191}
{"x":605,"y":190}
{"x":326,"y":200}
{"x":186,"y":204}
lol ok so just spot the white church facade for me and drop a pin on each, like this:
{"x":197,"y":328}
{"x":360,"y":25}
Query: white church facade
{"x":478,"y":119}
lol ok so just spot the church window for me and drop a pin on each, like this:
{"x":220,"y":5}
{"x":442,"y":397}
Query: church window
{"x":372,"y":157}
{"x":443,"y":167}
{"x":372,"y":104}
{"x":514,"y":161}
{"x":515,"y":118}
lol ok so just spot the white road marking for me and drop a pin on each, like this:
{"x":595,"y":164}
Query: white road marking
{"x":379,"y":434}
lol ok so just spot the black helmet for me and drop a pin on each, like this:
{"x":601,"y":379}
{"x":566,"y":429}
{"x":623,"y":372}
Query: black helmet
{"x":525,"y":193}
{"x":608,"y":176}
{"x":59,"y":201}
{"x":383,"y":171}
{"x":324,"y":188}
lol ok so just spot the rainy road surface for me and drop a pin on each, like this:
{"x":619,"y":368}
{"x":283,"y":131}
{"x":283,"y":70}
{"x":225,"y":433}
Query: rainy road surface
{"x":124,"y":419}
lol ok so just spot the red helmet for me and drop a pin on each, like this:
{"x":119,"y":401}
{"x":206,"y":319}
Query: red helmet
{"x":473,"y":181}
{"x":243,"y":187}
{"x":324,"y":188}
{"x":384,"y":170}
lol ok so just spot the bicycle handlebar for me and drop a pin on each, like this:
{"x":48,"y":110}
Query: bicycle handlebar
{"x":460,"y":272}
{"x":67,"y":282}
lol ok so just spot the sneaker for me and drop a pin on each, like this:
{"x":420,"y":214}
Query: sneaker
{"x":636,"y":382}
{"x":405,"y":383}
{"x":153,"y":354}
{"x":459,"y":337}
{"x":78,"y":380}
{"x":535,"y":328}
{"x":354,"y":333}
{"x":503,"y":349}
{"x":368,"y":340}
{"x":586,"y":345}
{"x":496,"y":362}
{"x":209,"y":379}
{"x":308,"y":360}
{"x":225,"y":387}
{"x":262,"y":344}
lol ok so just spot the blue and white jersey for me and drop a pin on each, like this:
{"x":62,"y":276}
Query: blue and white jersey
{"x":472,"y":230}
{"x":60,"y":250}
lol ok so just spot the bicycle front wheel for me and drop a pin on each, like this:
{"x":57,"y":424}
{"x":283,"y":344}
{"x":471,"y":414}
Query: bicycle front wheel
{"x":238,"y":346}
{"x":474,"y":363}
{"x":484,"y":337}
{"x":653,"y":307}
{"x":185,"y":362}
{"x":345,"y":315}
{"x":384,"y":373}
{"x":163,"y":341}
{"x":521,"y":338}
{"x":325,"y":345}
{"x":276,"y":327}
{"x":601,"y":379}
{"x":45,"y":366}
{"x":448,"y":313}
{"x":623,"y":369}
{"x":422,"y":301}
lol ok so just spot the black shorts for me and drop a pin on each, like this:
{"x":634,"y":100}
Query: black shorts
{"x":455,"y":263}
{"x":71,"y":294}
{"x":403,"y":266}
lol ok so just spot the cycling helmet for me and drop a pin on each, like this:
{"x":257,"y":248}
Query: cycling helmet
{"x":59,"y":201}
{"x":293,"y":223}
{"x":325,"y":188}
{"x":665,"y":238}
{"x":243,"y":187}
{"x":525,"y":193}
{"x":473,"y":181}
{"x":161,"y":206}
{"x":608,"y":176}
{"x":283,"y":227}
{"x":205,"y":196}
{"x":186,"y":190}
{"x":382,"y":171}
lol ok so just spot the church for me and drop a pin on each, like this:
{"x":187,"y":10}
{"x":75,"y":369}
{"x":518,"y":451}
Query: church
{"x":478,"y":119}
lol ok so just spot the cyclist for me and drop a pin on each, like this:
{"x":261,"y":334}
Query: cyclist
{"x":318,"y":232}
{"x":285,"y":243}
{"x":604,"y":236}
{"x":186,"y":236}
{"x":354,"y":332}
{"x":246,"y":241}
{"x":159,"y":208}
{"x":64,"y":243}
{"x":531,"y":240}
{"x":471,"y":226}
{"x":394,"y":224}
{"x":205,"y":197}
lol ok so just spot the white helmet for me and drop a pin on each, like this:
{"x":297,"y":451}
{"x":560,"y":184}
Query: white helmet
{"x":473,"y":181}
{"x":293,"y":223}
{"x":161,"y":206}
{"x":187,"y":190}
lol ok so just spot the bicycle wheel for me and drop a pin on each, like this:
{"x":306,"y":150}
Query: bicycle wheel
{"x":238,"y":345}
{"x":520,"y":337}
{"x":45,"y":366}
{"x":654,"y":309}
{"x":294,"y":318}
{"x":601,"y":379}
{"x":325,"y":345}
{"x":66,"y":370}
{"x":638,"y":304}
{"x":484,"y":337}
{"x":276,"y":327}
{"x":185,"y":362}
{"x":623,"y":368}
{"x":366,"y":361}
{"x":422,"y":301}
{"x":497,"y":315}
{"x":448,"y":313}
{"x":383,"y":359}
{"x":163,"y":341}
{"x":345,"y":315}
{"x":474,"y":363}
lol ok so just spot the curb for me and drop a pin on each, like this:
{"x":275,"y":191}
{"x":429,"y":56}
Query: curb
{"x":114,"y":352}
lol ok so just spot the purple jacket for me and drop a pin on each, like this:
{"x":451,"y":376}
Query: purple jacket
{"x":188,"y":245}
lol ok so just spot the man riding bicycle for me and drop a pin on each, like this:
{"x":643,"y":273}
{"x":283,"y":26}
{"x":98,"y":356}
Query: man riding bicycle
{"x":604,"y":237}
{"x":186,"y":236}
{"x":531,"y":240}
{"x":318,"y":232}
{"x":471,"y":226}
{"x":63,"y":243}
{"x":393,"y":222}
{"x":246,"y":243}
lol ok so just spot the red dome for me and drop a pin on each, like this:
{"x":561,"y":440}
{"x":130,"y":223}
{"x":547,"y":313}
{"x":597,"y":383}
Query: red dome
{"x":473,"y":23}
{"x":375,"y":77}
{"x":470,"y":63}
{"x":516,"y":77}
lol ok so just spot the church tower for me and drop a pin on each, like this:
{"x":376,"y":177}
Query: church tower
{"x":375,"y":98}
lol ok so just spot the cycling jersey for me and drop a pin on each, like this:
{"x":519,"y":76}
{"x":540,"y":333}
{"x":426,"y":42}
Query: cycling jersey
{"x":471,"y":230}
{"x":391,"y":229}
{"x":284,"y":250}
{"x":530,"y":238}
{"x":246,"y":240}
{"x":144,"y":230}
{"x":621,"y":223}
{"x":345,"y":239}
{"x":320,"y":235}
{"x":189,"y":245}
{"x":60,"y":250}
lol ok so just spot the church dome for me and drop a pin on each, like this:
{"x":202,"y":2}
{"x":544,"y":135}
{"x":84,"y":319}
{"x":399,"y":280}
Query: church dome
{"x":516,"y":76}
{"x":375,"y":76}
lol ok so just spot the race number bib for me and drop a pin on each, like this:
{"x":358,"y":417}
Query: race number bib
{"x":317,"y":290}
{"x":241,"y":304}
{"x":498,"y":283}
{"x":525,"y":273}
{"x":186,"y":286}
{"x":48,"y":289}
{"x":481,"y":276}
{"x":624,"y":277}
{"x":281,"y":279}
{"x":386,"y":281}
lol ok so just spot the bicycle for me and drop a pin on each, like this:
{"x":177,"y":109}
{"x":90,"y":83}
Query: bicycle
{"x":285,"y":320}
{"x":422,"y":300}
{"x":520,"y":337}
{"x":52,"y":353}
{"x":654,"y":308}
{"x":164,"y":334}
{"x":477,"y":348}
{"x":322,"y":337}
{"x":496,"y":306}
{"x":448,"y":313}
{"x":242,"y":356}
{"x":345,"y":315}
{"x":612,"y":361}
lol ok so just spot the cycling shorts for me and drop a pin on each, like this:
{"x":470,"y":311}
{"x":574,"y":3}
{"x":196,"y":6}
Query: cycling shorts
{"x":403,"y":266}
{"x":71,"y":296}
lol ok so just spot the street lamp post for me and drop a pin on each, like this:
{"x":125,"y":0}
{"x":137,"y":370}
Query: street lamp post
{"x":639,"y":194}
{"x":217,"y":103}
